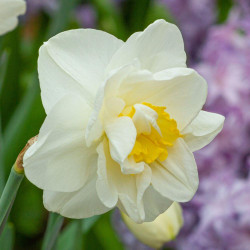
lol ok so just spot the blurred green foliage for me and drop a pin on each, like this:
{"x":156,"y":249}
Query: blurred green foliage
{"x":21,"y":114}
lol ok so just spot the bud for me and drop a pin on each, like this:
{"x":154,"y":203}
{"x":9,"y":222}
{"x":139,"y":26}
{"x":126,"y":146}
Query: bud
{"x":163,"y":229}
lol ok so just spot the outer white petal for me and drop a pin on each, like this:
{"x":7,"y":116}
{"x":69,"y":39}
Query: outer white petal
{"x":203,"y":130}
{"x":181,"y":90}
{"x":60,"y":159}
{"x":74,"y":61}
{"x":154,"y":204}
{"x":9,"y":12}
{"x":121,"y":133}
{"x":158,"y":47}
{"x":176,"y":178}
{"x":80,"y":204}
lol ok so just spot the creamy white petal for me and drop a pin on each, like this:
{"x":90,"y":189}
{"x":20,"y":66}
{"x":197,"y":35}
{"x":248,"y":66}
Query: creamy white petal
{"x":104,"y":185}
{"x":203,"y":130}
{"x":9,"y":12}
{"x":176,"y":178}
{"x":129,"y":188}
{"x":80,"y":204}
{"x":154,"y":204}
{"x":121,"y":133}
{"x":129,"y":166}
{"x":143,"y":181}
{"x":131,"y":204}
{"x":75,"y":61}
{"x":181,"y":90}
{"x":144,"y":118}
{"x":108,"y":105}
{"x":60,"y":159}
{"x":158,"y":47}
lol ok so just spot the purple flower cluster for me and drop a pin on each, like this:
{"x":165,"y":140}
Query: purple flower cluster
{"x":193,"y":17}
{"x":218,"y":217}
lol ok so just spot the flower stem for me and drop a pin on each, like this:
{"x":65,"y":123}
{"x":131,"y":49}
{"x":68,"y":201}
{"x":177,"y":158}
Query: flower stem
{"x":9,"y":194}
{"x":53,"y":228}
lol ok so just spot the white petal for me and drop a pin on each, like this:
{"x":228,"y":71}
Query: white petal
{"x":131,"y":203}
{"x":74,"y":61}
{"x":121,"y":133}
{"x":80,"y":204}
{"x":60,"y":159}
{"x":143,"y":181}
{"x":154,"y":204}
{"x":158,"y":47}
{"x":181,"y":90}
{"x":129,"y":188}
{"x":176,"y":178}
{"x":144,"y":118}
{"x":104,"y":185}
{"x":9,"y":12}
{"x":107,"y":105}
{"x":129,"y":166}
{"x":203,"y":130}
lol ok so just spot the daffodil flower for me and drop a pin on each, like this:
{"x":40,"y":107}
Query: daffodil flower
{"x":9,"y":12}
{"x":123,"y":119}
{"x":163,"y":229}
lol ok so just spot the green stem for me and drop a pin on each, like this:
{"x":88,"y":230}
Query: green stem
{"x":6,"y":217}
{"x":53,"y":228}
{"x":9,"y":194}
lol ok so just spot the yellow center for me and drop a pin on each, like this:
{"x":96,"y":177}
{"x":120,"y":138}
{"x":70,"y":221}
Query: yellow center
{"x":153,"y":146}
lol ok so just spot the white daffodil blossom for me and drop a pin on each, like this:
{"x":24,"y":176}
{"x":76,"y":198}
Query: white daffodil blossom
{"x":123,"y":119}
{"x":9,"y":12}
{"x":163,"y":229}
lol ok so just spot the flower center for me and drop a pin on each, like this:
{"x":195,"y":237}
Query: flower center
{"x":153,"y":146}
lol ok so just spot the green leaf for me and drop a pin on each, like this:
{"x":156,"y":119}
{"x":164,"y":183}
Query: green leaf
{"x":106,"y":235}
{"x":71,"y":237}
{"x":62,"y":16}
{"x":7,"y":237}
{"x":88,"y":223}
{"x":28,"y":213}
{"x":109,"y":18}
{"x":10,"y":87}
{"x":3,"y":67}
{"x":158,"y":11}
{"x":54,"y":225}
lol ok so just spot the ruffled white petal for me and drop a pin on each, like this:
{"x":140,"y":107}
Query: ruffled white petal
{"x":80,"y":204}
{"x":158,"y":47}
{"x":129,"y":166}
{"x":203,"y":130}
{"x":129,"y":188}
{"x":144,"y":118}
{"x":121,"y":133}
{"x":9,"y":12}
{"x":107,"y":104}
{"x":60,"y":159}
{"x":154,"y":204}
{"x":104,"y":185}
{"x":74,"y":62}
{"x":176,"y":178}
{"x":181,"y":90}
